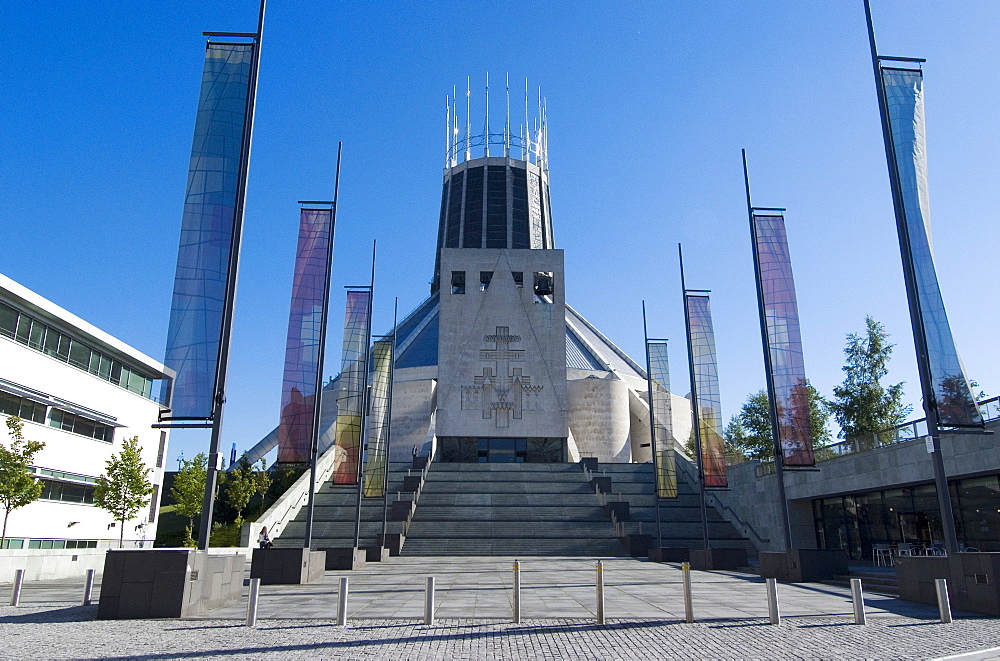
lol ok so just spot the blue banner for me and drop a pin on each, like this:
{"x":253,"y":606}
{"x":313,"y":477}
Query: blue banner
{"x":904,"y":94}
{"x":207,"y":227}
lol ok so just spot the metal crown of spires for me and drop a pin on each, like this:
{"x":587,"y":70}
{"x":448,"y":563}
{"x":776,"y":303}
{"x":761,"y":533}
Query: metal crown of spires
{"x":529,"y":142}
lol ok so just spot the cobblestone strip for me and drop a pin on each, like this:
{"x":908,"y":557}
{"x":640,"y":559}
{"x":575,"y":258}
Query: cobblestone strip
{"x":59,"y":632}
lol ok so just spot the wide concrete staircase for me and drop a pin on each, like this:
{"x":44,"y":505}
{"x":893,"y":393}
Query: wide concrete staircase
{"x":680,"y":518}
{"x":334,"y":517}
{"x":511,"y":510}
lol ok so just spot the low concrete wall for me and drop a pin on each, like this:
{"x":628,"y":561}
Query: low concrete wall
{"x":50,"y":564}
{"x":755,"y":498}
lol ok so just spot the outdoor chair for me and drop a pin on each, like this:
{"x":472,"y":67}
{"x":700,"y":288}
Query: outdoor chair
{"x":882,"y":555}
{"x":904,"y":549}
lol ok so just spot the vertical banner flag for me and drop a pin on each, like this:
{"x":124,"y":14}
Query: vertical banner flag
{"x":665,"y":459}
{"x":378,"y":422}
{"x":207,"y":228}
{"x":353,"y":379}
{"x":784,"y":342}
{"x":904,"y":96}
{"x":708,"y":404}
{"x":302,"y":349}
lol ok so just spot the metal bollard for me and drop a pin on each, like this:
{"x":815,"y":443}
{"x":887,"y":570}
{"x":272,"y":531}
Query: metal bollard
{"x":88,"y":588}
{"x":517,"y":592}
{"x":342,"y":603}
{"x":944,"y":604}
{"x":686,"y":580}
{"x":600,"y":592}
{"x":772,"y":600}
{"x":858,"y":596}
{"x":15,"y":598}
{"x":252,"y":602}
{"x":429,"y":602}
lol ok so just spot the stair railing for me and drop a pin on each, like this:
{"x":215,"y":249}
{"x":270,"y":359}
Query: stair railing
{"x":722,"y":508}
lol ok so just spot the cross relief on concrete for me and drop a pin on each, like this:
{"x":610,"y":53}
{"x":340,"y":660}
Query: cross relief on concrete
{"x":501,"y":392}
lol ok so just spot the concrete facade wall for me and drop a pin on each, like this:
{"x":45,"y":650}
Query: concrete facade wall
{"x":600,"y":419}
{"x":900,"y":464}
{"x":501,"y":352}
{"x":412,"y":405}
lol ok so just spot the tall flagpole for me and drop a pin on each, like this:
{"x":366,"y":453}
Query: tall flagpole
{"x":318,"y":404}
{"x":779,"y":458}
{"x":222,"y":367}
{"x":694,"y":405}
{"x":388,"y":422}
{"x":365,"y":405}
{"x":913,"y":301}
{"x":652,"y":432}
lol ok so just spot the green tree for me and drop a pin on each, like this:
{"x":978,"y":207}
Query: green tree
{"x":124,"y":489}
{"x":189,"y":491}
{"x":861,"y":404}
{"x":243,"y":483}
{"x":17,"y":487}
{"x":749,"y":431}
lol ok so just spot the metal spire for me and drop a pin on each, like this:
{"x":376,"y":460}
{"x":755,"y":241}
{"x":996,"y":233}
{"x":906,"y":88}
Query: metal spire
{"x":486,"y":136}
{"x":526,"y":140}
{"x":506,"y":128}
{"x":468,"y":118}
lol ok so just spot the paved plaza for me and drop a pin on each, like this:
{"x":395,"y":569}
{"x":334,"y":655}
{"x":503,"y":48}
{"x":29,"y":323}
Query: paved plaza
{"x":644,"y":607}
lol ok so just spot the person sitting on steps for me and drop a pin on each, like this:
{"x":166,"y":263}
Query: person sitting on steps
{"x":263,"y":539}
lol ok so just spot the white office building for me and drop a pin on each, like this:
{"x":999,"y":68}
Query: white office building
{"x":81,"y":392}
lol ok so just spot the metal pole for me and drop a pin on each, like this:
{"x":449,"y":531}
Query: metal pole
{"x":429,"y":602}
{"x":858,"y":597}
{"x":252,"y":602}
{"x":320,"y":358}
{"x":686,"y":582}
{"x":913,"y":302}
{"x":944,"y":604}
{"x":388,"y":422}
{"x":517,"y":592}
{"x":652,"y":432}
{"x":342,"y":602}
{"x":600,"y":592}
{"x":772,"y":401}
{"x":222,"y":368}
{"x":15,"y":598}
{"x":772,"y":601}
{"x":88,"y":588}
{"x":365,"y":404}
{"x":694,"y":407}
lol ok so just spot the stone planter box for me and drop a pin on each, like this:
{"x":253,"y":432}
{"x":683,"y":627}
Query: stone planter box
{"x":638,"y":545}
{"x":345,"y":558}
{"x":803,"y":565}
{"x":419,"y":463}
{"x":294,"y":566}
{"x":620,"y":510}
{"x":973,"y":580}
{"x":590,"y":463}
{"x":602,"y":483}
{"x":376,"y":553}
{"x":707,"y":559}
{"x":393,"y":541}
{"x":151,"y":583}
{"x":411,"y":484}
{"x":400,"y":510}
{"x":670,"y":554}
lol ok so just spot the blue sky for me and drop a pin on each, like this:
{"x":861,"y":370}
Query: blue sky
{"x":649,"y":104}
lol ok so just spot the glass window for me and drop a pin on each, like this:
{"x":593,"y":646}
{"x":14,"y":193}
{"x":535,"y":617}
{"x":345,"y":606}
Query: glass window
{"x":104,"y":370}
{"x":36,"y":337}
{"x":473,"y":226}
{"x":496,"y":207}
{"x":455,"y":210}
{"x":79,"y":355}
{"x":518,"y":278}
{"x":52,"y":342}
{"x":23,"y":329}
{"x":484,"y":280}
{"x":116,"y":372}
{"x":458,"y":282}
{"x":8,"y":320}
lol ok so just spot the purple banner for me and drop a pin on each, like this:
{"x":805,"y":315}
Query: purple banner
{"x":207,"y":231}
{"x":707,"y":407}
{"x":310,"y":295}
{"x":904,"y":92}
{"x":353,"y":382}
{"x":784,"y":342}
